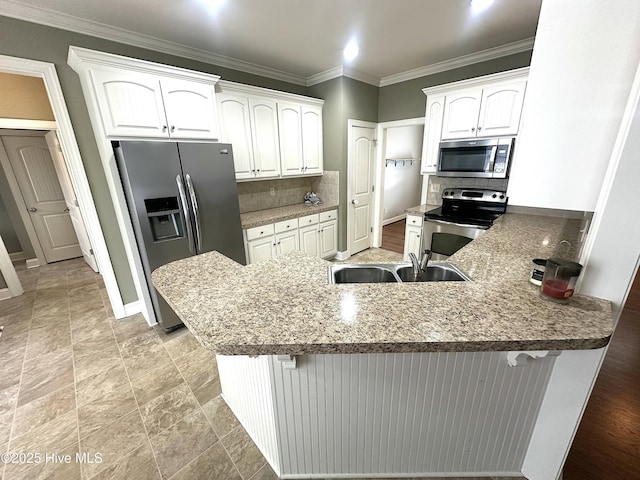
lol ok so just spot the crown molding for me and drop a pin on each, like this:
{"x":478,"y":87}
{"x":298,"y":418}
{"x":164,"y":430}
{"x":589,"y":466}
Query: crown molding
{"x":325,"y":76}
{"x":477,"y":57}
{"x":95,"y":29}
{"x":342,"y":71}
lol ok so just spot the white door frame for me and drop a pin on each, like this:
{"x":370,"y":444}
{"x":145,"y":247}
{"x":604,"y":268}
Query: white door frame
{"x":350,"y":124}
{"x":378,"y":194}
{"x":73,"y":160}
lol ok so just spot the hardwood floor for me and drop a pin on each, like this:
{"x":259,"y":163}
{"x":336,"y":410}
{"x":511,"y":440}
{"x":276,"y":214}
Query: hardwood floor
{"x":393,"y":236}
{"x":607,"y":445}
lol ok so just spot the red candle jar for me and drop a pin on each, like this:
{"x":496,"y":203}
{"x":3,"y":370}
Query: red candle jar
{"x":560,"y":277}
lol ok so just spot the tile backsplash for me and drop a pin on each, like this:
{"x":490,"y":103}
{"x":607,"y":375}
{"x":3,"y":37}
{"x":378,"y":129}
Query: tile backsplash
{"x":254,"y":196}
{"x":435,"y":198}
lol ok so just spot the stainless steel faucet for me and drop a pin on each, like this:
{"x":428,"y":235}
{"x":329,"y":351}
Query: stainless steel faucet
{"x":420,"y":267}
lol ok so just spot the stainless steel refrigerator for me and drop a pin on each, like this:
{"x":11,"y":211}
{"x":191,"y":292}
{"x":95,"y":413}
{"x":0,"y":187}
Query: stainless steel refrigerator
{"x":183,"y":201}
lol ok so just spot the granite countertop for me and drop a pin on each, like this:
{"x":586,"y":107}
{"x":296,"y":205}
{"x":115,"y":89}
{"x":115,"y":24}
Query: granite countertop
{"x":285,"y":306}
{"x":273,"y":215}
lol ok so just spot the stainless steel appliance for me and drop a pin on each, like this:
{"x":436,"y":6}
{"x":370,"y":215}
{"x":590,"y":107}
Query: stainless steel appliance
{"x":464,"y":215}
{"x":482,"y":158}
{"x":183,"y":200}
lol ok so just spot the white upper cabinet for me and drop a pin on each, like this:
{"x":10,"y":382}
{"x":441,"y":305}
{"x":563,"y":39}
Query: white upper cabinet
{"x":312,"y":139}
{"x":132,"y":98}
{"x":250,"y":125}
{"x":501,"y":109}
{"x":263,"y":115}
{"x":432,"y":133}
{"x":300,"y":139}
{"x":235,"y":128}
{"x":284,"y":133}
{"x":488,"y":106}
{"x":461,"y":114}
{"x":190,"y":109}
{"x":290,"y":129}
{"x":130,"y":103}
{"x":484,"y":112}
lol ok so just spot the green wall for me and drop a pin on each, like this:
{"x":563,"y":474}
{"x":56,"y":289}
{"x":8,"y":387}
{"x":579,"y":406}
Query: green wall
{"x":345,"y":99}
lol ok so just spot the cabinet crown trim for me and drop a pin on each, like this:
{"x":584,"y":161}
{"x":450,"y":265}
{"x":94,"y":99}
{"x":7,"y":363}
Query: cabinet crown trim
{"x":79,"y":59}
{"x":517,"y":74}
{"x":233,"y":88}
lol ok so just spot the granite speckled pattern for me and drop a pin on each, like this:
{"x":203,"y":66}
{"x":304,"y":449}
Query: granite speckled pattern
{"x":273,"y":215}
{"x":286,"y":306}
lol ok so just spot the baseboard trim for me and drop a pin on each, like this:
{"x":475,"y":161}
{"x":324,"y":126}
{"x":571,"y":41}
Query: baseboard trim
{"x":133,"y":308}
{"x":340,"y":256}
{"x":33,"y":262}
{"x":17,"y":257}
{"x":5,"y":294}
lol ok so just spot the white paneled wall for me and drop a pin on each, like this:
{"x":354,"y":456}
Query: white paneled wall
{"x":410,"y":414}
{"x":247,"y":389}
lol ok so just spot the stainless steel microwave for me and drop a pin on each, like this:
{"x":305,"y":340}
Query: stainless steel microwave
{"x":481,"y":158}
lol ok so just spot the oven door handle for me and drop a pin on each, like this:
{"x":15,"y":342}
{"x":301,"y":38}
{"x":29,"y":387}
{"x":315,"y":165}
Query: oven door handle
{"x":464,"y":225}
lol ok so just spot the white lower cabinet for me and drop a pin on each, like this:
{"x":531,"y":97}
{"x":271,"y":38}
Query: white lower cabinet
{"x":260,"y":243}
{"x":413,"y":236}
{"x":328,"y":234}
{"x":316,"y":235}
{"x":287,"y":238}
{"x":309,"y":233}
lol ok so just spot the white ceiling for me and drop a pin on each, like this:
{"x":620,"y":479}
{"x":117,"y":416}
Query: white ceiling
{"x":302,"y":40}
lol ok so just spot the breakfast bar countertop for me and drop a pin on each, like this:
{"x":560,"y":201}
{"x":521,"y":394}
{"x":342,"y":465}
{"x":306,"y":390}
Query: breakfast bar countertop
{"x":285,"y":306}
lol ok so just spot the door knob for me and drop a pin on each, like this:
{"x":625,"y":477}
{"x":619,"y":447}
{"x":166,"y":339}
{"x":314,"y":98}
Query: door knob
{"x":33,"y":209}
{"x":355,"y":202}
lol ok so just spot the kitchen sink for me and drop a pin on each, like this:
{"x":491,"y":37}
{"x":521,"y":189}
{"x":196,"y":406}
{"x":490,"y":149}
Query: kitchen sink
{"x":364,"y":274}
{"x":393,"y":273}
{"x":434,"y":273}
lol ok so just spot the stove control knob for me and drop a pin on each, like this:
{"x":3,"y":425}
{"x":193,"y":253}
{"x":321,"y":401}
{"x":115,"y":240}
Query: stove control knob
{"x":446,"y":193}
{"x":501,"y":197}
{"x":494,"y":195}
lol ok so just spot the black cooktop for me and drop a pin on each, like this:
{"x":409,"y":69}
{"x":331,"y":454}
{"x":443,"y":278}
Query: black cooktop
{"x":477,"y":207}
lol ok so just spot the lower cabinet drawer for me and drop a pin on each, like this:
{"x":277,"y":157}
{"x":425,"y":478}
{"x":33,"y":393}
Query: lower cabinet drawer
{"x":308,"y":220}
{"x":286,"y":225}
{"x":330,"y":215}
{"x":259,"y":232}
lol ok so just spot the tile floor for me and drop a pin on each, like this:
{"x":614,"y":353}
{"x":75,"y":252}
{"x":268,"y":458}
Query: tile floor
{"x":73,"y":380}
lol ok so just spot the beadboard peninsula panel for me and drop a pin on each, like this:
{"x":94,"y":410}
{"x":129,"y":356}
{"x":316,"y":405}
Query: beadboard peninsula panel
{"x":406,"y":414}
{"x":246,"y":387}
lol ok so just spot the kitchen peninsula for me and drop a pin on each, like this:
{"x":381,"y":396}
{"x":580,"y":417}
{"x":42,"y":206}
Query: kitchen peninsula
{"x":438,"y":384}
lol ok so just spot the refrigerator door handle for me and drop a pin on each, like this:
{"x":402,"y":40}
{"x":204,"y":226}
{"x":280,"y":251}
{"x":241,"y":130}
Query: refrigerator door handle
{"x":185,"y":212}
{"x":196,"y":217}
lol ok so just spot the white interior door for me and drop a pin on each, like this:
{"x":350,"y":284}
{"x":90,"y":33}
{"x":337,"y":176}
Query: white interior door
{"x":360,"y":187}
{"x":70,"y":198}
{"x":40,"y":188}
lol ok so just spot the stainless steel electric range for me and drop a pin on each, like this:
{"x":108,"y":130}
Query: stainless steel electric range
{"x":464,"y":215}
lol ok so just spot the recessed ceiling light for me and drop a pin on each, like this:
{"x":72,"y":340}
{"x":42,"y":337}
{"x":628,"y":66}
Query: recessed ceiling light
{"x":213,"y":6}
{"x":478,"y":6}
{"x":351,"y":51}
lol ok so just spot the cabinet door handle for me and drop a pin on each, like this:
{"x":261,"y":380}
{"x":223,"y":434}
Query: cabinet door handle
{"x":66,"y":209}
{"x":164,"y":128}
{"x":33,"y":209}
{"x":355,"y":202}
{"x":479,"y":128}
{"x":173,"y":127}
{"x":473,"y":129}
